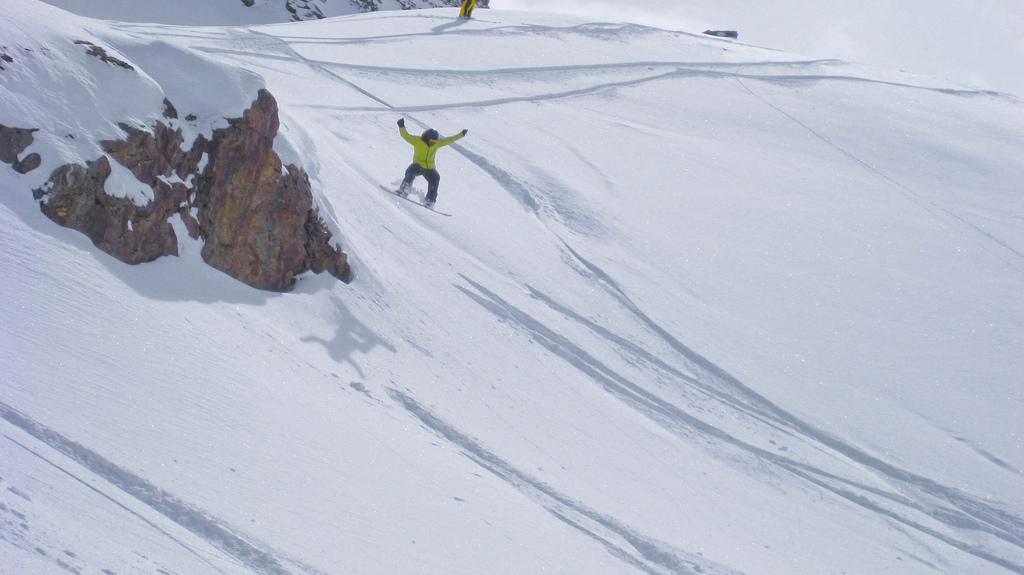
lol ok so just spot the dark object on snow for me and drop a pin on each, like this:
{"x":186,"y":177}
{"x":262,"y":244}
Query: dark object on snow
{"x":13,"y":142}
{"x":100,"y":53}
{"x":169,"y":110}
{"x":28,"y":163}
{"x":304,"y":10}
{"x":723,"y":33}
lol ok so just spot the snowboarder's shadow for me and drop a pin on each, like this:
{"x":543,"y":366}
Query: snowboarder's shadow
{"x":351,"y":336}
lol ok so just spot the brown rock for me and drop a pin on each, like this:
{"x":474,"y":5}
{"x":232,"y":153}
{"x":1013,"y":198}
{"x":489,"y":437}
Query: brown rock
{"x":147,"y":154}
{"x":253,"y":217}
{"x":133,"y":234}
{"x":322,"y":255}
{"x":191,"y":224}
{"x":170,"y":112}
{"x":28,"y":163}
{"x":259,"y":225}
{"x":13,"y":142}
{"x":101,"y":53}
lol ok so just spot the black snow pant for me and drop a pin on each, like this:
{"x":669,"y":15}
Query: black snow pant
{"x":433,"y":179}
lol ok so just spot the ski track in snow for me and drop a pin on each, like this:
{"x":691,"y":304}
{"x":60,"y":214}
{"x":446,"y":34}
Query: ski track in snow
{"x":675,"y":70}
{"x":113,"y":501}
{"x":195,"y":520}
{"x":945,"y":505}
{"x":624,"y":543}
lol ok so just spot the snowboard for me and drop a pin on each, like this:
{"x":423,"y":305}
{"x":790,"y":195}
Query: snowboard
{"x":412,"y":201}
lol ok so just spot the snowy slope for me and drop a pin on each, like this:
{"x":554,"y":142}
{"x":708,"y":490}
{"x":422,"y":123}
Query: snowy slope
{"x":975,"y":42}
{"x":702,"y":308}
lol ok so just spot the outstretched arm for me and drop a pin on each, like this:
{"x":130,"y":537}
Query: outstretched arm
{"x":405,"y":133}
{"x":456,"y":137}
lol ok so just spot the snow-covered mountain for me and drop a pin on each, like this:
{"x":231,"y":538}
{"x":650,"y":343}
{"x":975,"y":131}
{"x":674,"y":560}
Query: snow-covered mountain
{"x":234,"y":12}
{"x":701,"y":308}
{"x":975,"y":42}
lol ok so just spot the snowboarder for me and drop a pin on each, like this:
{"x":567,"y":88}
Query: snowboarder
{"x":466,"y":9}
{"x":425,"y":147}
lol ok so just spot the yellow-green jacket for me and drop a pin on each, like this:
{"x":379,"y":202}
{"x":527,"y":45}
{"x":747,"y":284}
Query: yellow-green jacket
{"x":424,"y":154}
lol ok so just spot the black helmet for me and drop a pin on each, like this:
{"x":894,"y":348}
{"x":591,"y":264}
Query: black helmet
{"x":430,"y":135}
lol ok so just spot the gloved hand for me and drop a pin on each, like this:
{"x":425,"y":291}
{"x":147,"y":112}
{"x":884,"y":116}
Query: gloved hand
{"x":464,"y":132}
{"x":401,"y":122}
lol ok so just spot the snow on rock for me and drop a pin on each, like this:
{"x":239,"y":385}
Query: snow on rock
{"x":122,"y":183}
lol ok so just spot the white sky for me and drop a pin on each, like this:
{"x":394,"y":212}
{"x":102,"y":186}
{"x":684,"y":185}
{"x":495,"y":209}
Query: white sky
{"x":978,"y":42}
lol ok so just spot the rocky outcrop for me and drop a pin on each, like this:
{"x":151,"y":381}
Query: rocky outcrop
{"x":170,"y":112}
{"x":28,"y":163}
{"x":5,"y":58}
{"x":152,"y":156}
{"x":323,"y":257}
{"x":14,"y":141}
{"x":255,"y":216}
{"x":303,"y":10}
{"x":156,"y":159}
{"x":375,"y":5}
{"x":312,"y":10}
{"x":134,"y":234}
{"x":101,"y":53}
{"x":723,"y":33}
